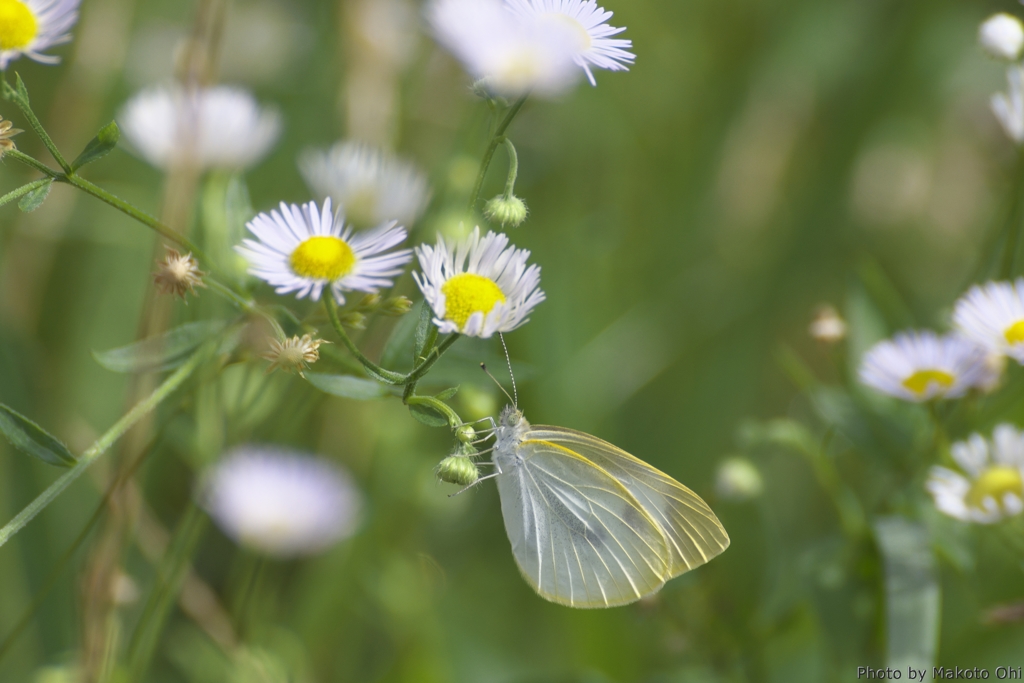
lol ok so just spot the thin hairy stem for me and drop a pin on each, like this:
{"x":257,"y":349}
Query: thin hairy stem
{"x":377,"y":371}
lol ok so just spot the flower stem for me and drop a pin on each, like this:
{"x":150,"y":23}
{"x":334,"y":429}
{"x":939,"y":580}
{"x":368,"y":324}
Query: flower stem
{"x":23,"y":190}
{"x":386,"y":376}
{"x":454,"y":421}
{"x":102,"y":444}
{"x":513,"y":167}
{"x":18,"y":155}
{"x":1014,"y":222}
{"x":19,"y":96}
{"x":435,"y":354}
{"x":485,"y":163}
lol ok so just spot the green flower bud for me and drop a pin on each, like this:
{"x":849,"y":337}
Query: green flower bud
{"x":353,"y":319}
{"x":369,"y":302}
{"x":458,"y":469}
{"x":509,"y":211}
{"x":396,"y":306}
{"x":465,"y":433}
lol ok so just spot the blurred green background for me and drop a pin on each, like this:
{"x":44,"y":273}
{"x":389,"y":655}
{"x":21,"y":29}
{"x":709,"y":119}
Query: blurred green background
{"x":760,"y":159}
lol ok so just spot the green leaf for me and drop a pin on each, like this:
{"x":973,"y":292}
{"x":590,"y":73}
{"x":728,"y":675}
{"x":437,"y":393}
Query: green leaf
{"x":912,"y":612}
{"x":21,"y":90}
{"x":99,"y":146}
{"x":31,"y":439}
{"x":162,"y":352}
{"x":428,"y":416}
{"x":400,"y":345}
{"x":426,"y":333}
{"x":24,"y":189}
{"x":34,"y":198}
{"x":447,"y":393}
{"x":347,"y":386}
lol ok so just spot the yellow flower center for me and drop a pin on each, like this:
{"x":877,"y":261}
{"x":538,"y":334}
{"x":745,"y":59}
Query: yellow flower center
{"x":578,"y":32}
{"x":922,"y":379}
{"x":18,"y":26}
{"x":1015,"y":333}
{"x":323,"y":258}
{"x":995,"y":482}
{"x":469,"y":293}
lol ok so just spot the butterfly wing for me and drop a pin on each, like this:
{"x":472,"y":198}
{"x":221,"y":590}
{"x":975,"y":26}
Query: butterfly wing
{"x":579,"y":536}
{"x":693,"y":531}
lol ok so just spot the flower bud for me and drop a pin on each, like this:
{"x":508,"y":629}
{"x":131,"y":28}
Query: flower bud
{"x":6,"y":133}
{"x":1002,"y":36}
{"x":465,"y":433}
{"x":369,"y":302}
{"x":353,"y":319}
{"x":509,"y":211}
{"x":738,"y":480}
{"x":458,"y":469}
{"x":396,"y":306}
{"x":827,"y":326}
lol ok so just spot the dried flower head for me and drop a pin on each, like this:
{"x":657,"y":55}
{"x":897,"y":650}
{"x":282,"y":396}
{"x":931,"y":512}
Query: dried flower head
{"x":178,"y":274}
{"x":6,"y":133}
{"x":295,"y":354}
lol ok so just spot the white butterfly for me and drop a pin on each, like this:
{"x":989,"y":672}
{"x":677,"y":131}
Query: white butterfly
{"x":590,"y":525}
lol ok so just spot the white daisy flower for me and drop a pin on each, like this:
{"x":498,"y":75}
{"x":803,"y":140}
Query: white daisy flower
{"x":591,"y":42}
{"x":993,"y":316}
{"x":27,"y":27}
{"x":280,"y":502}
{"x":478,"y":286}
{"x":1009,"y":106}
{"x":305,"y":249}
{"x":994,"y":486}
{"x":514,"y":54}
{"x":218,"y":127}
{"x":372,"y":185}
{"x":1002,"y":36}
{"x":919,"y":366}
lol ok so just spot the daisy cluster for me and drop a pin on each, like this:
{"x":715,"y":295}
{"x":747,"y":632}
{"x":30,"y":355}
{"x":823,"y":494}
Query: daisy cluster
{"x":922,"y":365}
{"x":1002,"y":37}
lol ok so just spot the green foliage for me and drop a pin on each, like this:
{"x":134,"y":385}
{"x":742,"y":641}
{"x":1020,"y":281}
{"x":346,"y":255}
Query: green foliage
{"x":31,"y":439}
{"x":347,"y":386}
{"x":35,"y":197}
{"x":162,"y":352}
{"x":100,"y":146}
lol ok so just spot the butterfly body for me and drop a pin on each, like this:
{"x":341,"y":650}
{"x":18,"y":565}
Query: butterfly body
{"x":589,"y":524}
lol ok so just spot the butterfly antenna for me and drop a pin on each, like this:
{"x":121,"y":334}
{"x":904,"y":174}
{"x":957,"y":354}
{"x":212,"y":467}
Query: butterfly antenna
{"x":515,"y":392}
{"x":483,"y":366}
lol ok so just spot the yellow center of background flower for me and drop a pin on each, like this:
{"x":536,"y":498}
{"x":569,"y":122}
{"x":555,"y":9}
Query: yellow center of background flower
{"x":18,"y":26}
{"x":323,"y":258}
{"x":920,"y":380}
{"x":995,"y":482}
{"x":1015,"y":333}
{"x":469,"y":293}
{"x":581,"y":38}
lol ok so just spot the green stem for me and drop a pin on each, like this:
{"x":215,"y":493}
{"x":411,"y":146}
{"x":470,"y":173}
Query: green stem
{"x":102,"y":444}
{"x":513,"y":167}
{"x":435,"y":354}
{"x":18,"y":155}
{"x":24,"y":189}
{"x":386,"y":376}
{"x":170,"y":576}
{"x":62,"y":562}
{"x":440,"y":406}
{"x":20,"y":97}
{"x":485,"y":163}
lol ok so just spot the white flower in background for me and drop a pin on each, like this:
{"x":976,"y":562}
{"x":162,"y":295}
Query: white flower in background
{"x":218,"y":127}
{"x":919,"y":366}
{"x":993,"y":316}
{"x":738,"y":479}
{"x":591,"y":42}
{"x":994,"y":486}
{"x":27,"y":27}
{"x":828,"y":326}
{"x":280,"y":502}
{"x":305,"y":249}
{"x":372,"y":185}
{"x":1009,"y":106}
{"x":1002,"y":36}
{"x":514,"y":54}
{"x":478,"y":286}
